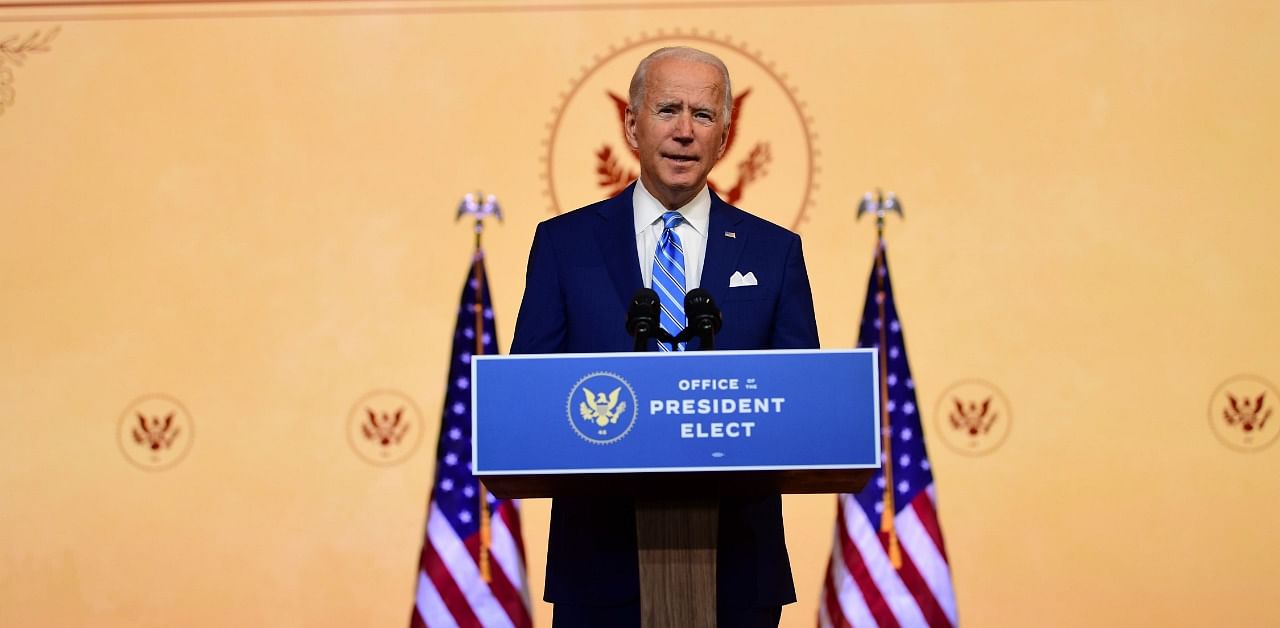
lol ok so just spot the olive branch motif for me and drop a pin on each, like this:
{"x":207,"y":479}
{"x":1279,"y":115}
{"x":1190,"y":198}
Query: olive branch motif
{"x":610,"y":174}
{"x":14,"y":51}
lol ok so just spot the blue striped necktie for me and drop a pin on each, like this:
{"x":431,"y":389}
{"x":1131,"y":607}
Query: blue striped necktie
{"x":668,"y":277}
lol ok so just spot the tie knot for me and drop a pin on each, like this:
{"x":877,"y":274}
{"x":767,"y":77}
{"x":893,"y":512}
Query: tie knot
{"x":671,"y":219}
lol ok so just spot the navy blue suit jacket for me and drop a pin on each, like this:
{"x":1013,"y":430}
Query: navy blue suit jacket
{"x":583,"y":272}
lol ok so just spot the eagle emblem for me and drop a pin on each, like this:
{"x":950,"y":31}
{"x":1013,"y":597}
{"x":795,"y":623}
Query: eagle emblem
{"x":605,"y":411}
{"x":601,"y":408}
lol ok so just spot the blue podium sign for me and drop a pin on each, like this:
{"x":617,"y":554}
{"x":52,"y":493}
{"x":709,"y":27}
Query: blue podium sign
{"x":675,"y":412}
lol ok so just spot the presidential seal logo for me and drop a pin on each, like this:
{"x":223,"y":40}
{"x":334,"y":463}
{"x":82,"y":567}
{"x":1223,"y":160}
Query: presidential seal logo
{"x":154,"y":432}
{"x":768,"y":166}
{"x":1241,"y":413}
{"x":973,"y":417}
{"x":384,"y":427}
{"x":602,"y":408}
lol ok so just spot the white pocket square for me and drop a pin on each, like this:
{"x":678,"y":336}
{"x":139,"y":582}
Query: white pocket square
{"x":738,"y":280}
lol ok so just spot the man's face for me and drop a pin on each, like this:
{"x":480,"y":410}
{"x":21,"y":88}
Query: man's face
{"x":679,"y":129}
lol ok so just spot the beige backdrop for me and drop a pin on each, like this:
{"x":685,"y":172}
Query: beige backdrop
{"x":249,"y":210}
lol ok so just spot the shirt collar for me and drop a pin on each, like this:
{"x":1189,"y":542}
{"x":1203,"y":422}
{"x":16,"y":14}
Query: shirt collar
{"x":646,"y":209}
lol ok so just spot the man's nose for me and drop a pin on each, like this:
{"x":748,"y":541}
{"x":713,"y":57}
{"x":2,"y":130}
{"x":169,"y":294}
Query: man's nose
{"x":684,"y":129}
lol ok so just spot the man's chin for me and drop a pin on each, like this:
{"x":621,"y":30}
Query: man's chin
{"x":683,"y":182}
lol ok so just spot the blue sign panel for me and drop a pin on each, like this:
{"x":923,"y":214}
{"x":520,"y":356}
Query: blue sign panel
{"x":667,"y":412}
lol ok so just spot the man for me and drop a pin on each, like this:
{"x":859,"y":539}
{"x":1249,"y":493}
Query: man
{"x":669,"y":232}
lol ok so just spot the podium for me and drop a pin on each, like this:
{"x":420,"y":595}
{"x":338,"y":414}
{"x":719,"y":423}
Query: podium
{"x":676,"y":432}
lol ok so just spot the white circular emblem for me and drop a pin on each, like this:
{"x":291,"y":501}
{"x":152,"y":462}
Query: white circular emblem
{"x":601,"y":408}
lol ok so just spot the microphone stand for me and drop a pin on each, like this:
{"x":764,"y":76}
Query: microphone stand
{"x":642,"y":320}
{"x":676,"y":538}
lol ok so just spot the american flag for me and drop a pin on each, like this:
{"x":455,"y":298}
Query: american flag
{"x":890,"y":569}
{"x":472,"y":569}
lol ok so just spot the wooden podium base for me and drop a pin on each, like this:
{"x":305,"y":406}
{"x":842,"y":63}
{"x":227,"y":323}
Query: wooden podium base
{"x":677,"y":550}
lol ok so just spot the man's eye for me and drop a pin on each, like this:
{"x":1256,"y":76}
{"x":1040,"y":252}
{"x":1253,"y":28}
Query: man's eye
{"x":703,"y":115}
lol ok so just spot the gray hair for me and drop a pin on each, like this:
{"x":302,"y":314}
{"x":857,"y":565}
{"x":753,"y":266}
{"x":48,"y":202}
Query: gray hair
{"x":636,"y":92}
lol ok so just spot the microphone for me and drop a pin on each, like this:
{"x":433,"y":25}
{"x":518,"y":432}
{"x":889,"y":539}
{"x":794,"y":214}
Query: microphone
{"x":643,"y":319}
{"x":642,"y":316}
{"x":704,"y":317}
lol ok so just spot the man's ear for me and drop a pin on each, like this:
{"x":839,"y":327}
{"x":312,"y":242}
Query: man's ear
{"x":724,"y":143}
{"x":629,"y":128}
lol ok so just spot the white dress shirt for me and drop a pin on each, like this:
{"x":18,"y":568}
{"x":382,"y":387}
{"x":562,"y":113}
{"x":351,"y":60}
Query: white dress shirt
{"x":648,"y":212}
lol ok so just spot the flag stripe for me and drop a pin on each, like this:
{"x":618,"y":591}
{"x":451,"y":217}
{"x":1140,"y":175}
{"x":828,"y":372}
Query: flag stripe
{"x":504,"y":553}
{"x":871,"y":593}
{"x":867,"y":541}
{"x":446,"y":588}
{"x":832,"y":601}
{"x":851,"y":608}
{"x":932,"y":566}
{"x":461,"y":564}
{"x":429,"y":604}
{"x":824,"y":619}
{"x":918,"y":589}
{"x":504,"y":591}
{"x":928,"y":518}
{"x":509,"y":510}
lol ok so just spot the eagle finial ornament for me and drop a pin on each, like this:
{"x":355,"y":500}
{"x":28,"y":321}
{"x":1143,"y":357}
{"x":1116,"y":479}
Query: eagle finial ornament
{"x":481,"y":207}
{"x":879,"y":204}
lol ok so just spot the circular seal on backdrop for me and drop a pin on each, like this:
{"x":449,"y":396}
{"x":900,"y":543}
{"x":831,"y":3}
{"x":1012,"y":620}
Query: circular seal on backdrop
{"x":155,"y":432}
{"x":973,"y":417}
{"x":601,"y":408}
{"x":384,"y":427}
{"x":1242,"y":413}
{"x":769,"y":164}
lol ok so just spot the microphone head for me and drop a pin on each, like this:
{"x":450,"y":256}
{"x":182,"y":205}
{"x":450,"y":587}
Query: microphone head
{"x":646,"y":298}
{"x":701,"y":310}
{"x":642,"y":315}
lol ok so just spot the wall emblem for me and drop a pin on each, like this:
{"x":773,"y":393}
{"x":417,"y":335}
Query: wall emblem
{"x":602,"y":408}
{"x":155,"y":432}
{"x":384,"y":427}
{"x":973,"y":417}
{"x":1242,"y":413}
{"x":768,"y":166}
{"x":14,"y":51}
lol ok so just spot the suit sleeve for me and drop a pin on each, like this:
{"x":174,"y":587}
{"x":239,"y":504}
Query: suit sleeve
{"x":795,"y":324}
{"x":540,"y":326}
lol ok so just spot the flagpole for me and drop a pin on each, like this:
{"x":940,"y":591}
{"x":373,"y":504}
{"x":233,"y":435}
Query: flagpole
{"x":917,"y":587}
{"x":471,"y":205}
{"x":880,"y":205}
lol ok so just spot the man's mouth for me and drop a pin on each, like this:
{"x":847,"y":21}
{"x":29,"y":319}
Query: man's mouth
{"x":680,"y":158}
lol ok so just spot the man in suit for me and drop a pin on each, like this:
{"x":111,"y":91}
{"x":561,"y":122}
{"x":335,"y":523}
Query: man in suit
{"x":667,"y":231}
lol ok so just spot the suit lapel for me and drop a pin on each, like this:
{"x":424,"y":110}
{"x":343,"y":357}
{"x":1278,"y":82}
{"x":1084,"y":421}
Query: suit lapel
{"x":723,"y":250}
{"x":616,"y":237}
